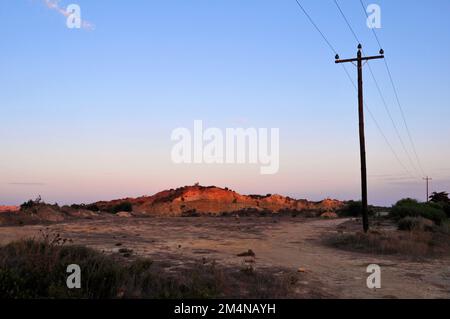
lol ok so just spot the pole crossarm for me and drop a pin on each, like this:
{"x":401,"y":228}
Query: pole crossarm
{"x":362,"y":59}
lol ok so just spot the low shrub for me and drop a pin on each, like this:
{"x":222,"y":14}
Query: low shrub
{"x":37,"y":269}
{"x":92,"y":207}
{"x":122,"y":207}
{"x":30,"y":269}
{"x":445,"y":207}
{"x":411,"y":208}
{"x":353,"y":209}
{"x":31,"y":203}
{"x":416,"y":244}
{"x":415,"y":223}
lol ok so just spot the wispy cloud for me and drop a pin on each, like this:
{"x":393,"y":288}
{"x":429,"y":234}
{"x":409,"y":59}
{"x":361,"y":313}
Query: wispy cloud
{"x":55,"y":5}
{"x":26,"y":184}
{"x":392,"y":177}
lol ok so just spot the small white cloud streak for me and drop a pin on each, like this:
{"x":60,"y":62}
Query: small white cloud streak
{"x":54,"y":5}
{"x":27,"y":184}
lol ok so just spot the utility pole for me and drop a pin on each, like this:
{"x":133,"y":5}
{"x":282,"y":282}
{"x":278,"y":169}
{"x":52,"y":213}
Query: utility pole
{"x":427,"y":179}
{"x":362,"y":142}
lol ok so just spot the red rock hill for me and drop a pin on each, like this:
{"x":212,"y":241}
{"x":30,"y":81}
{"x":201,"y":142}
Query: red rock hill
{"x":215,"y":201}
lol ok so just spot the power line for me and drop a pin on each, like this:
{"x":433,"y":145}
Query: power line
{"x":396,"y":96}
{"x":376,"y":84}
{"x":373,"y":29}
{"x":315,"y":25}
{"x":366,"y":106}
{"x":346,"y":21}
{"x":404,"y":118}
{"x":397,"y":132}
{"x":354,"y":85}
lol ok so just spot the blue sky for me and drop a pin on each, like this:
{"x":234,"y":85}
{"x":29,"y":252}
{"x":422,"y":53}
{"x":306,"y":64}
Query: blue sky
{"x":87,"y":114}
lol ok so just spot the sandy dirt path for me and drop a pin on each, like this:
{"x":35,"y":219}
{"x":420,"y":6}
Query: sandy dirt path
{"x":281,"y":243}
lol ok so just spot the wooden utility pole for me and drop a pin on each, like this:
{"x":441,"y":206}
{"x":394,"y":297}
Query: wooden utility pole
{"x":362,"y":142}
{"x":427,"y":179}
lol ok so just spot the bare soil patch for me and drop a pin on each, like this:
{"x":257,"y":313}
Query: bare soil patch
{"x":281,"y":246}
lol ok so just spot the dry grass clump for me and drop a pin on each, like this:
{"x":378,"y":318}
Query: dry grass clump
{"x":416,"y":243}
{"x":37,"y":269}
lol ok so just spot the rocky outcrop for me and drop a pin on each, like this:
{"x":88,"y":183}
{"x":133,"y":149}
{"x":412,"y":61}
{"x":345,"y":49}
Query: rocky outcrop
{"x":211,"y":200}
{"x":184,"y":201}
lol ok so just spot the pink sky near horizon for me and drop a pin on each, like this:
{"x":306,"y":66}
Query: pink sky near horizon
{"x":87,"y":115}
{"x":68,"y":177}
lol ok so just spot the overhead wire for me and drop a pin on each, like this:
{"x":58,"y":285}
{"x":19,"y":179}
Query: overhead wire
{"x":351,"y":80}
{"x":378,"y":87}
{"x":394,"y":87}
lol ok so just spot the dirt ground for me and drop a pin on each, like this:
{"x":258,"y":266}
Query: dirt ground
{"x":278,"y":243}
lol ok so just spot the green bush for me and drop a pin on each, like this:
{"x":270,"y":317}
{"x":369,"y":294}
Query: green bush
{"x":443,"y":206}
{"x":407,"y":201}
{"x":353,"y":209}
{"x":447,"y":209}
{"x":122,"y":207}
{"x":92,"y":207}
{"x":411,"y":208}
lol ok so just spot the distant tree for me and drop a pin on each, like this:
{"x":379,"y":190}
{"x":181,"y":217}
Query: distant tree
{"x":442,"y":200}
{"x":407,"y":201}
{"x":27,"y":205}
{"x":412,"y":208}
{"x":122,"y":207}
{"x":351,"y":209}
{"x":441,"y":197}
{"x":31,"y":203}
